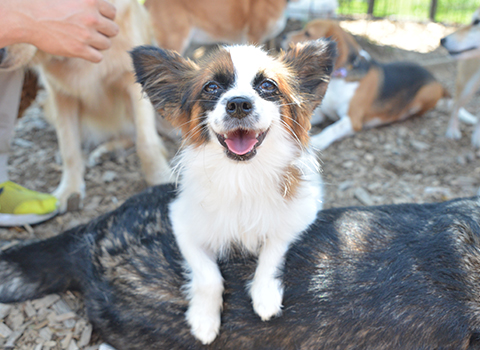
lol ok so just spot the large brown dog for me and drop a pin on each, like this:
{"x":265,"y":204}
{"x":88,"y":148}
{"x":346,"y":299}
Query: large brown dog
{"x":98,"y":102}
{"x":179,"y":22}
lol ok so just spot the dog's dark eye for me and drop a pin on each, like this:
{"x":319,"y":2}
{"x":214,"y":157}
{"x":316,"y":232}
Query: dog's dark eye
{"x":307,"y":34}
{"x":476,"y":22}
{"x":267,"y":86}
{"x":211,"y":87}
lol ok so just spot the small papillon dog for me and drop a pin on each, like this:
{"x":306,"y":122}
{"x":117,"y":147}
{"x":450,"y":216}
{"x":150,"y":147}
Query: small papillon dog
{"x":247,"y":176}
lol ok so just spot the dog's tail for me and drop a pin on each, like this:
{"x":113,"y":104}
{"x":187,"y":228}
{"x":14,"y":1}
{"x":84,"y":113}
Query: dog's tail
{"x":35,"y":269}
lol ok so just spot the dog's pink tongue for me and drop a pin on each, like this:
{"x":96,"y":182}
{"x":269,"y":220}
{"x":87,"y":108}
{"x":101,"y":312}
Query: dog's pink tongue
{"x":241,"y":141}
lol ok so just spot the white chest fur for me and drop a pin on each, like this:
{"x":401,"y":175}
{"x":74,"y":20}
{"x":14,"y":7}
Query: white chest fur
{"x":224,"y":202}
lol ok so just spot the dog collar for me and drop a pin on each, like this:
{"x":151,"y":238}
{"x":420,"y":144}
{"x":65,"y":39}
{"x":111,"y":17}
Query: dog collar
{"x":339,"y":73}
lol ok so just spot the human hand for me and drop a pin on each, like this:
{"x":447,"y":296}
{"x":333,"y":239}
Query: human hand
{"x":71,"y":28}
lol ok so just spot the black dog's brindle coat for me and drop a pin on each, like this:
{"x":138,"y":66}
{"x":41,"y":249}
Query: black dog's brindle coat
{"x":388,"y":277}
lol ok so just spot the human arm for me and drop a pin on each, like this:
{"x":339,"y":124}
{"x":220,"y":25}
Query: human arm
{"x":71,"y":28}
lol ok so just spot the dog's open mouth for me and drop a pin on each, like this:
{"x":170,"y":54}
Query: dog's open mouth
{"x":241,"y":144}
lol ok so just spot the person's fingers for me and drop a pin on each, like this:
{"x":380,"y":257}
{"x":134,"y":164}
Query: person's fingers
{"x":107,"y":9}
{"x":100,"y":42}
{"x":107,"y":27}
{"x":92,"y":55}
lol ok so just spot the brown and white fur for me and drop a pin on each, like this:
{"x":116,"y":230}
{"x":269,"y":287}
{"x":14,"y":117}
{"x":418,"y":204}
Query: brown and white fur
{"x":97,"y":103}
{"x":177,"y":23}
{"x":464,"y":45}
{"x":364,"y":93}
{"x":247,"y":176}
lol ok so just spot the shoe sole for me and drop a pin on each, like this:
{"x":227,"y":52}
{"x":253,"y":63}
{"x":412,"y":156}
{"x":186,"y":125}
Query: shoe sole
{"x":11,"y":220}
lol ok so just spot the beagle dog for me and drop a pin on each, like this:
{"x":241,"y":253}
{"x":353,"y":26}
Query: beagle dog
{"x":364,"y":93}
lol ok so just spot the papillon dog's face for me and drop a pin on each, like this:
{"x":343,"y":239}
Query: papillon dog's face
{"x":235,"y":96}
{"x":244,"y":100}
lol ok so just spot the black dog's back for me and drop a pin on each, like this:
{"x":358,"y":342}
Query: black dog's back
{"x":390,"y":277}
{"x":401,"y":83}
{"x":403,"y":76}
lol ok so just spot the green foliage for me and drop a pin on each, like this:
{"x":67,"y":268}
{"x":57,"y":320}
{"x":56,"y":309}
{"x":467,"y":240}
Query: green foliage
{"x":448,"y":11}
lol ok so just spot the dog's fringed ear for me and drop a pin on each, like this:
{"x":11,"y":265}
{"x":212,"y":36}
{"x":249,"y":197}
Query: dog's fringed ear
{"x":164,"y":76}
{"x":312,"y":62}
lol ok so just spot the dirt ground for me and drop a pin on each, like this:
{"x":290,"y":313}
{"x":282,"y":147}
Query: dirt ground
{"x":411,"y":161}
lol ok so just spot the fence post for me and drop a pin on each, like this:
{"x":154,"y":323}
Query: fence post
{"x":433,"y":9}
{"x":371,"y":5}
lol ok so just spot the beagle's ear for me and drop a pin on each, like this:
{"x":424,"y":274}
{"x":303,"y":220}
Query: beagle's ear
{"x":164,"y":76}
{"x":312,"y":63}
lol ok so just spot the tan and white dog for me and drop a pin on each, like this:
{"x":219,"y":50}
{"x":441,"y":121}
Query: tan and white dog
{"x":464,"y":45}
{"x":97,"y":103}
{"x":364,"y":93}
{"x":177,"y":23}
{"x":247,"y":176}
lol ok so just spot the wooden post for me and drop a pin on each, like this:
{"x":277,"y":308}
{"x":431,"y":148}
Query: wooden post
{"x":433,"y":9}
{"x":371,"y":5}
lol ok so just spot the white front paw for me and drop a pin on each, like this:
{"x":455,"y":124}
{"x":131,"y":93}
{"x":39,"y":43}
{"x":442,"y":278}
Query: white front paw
{"x":318,"y":142}
{"x":70,"y":198}
{"x":267,"y":298}
{"x":204,"y":322}
{"x":453,"y":133}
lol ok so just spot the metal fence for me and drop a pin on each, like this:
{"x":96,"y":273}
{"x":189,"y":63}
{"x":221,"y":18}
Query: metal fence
{"x":445,"y":11}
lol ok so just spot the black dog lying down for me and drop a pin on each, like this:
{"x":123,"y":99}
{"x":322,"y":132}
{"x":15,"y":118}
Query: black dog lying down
{"x":389,"y":277}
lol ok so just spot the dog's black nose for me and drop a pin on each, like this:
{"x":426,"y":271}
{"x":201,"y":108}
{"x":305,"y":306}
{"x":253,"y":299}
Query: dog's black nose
{"x":239,"y":107}
{"x":442,"y":41}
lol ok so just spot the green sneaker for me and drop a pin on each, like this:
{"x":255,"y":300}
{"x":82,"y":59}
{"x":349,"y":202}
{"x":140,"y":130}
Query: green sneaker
{"x":20,"y":206}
